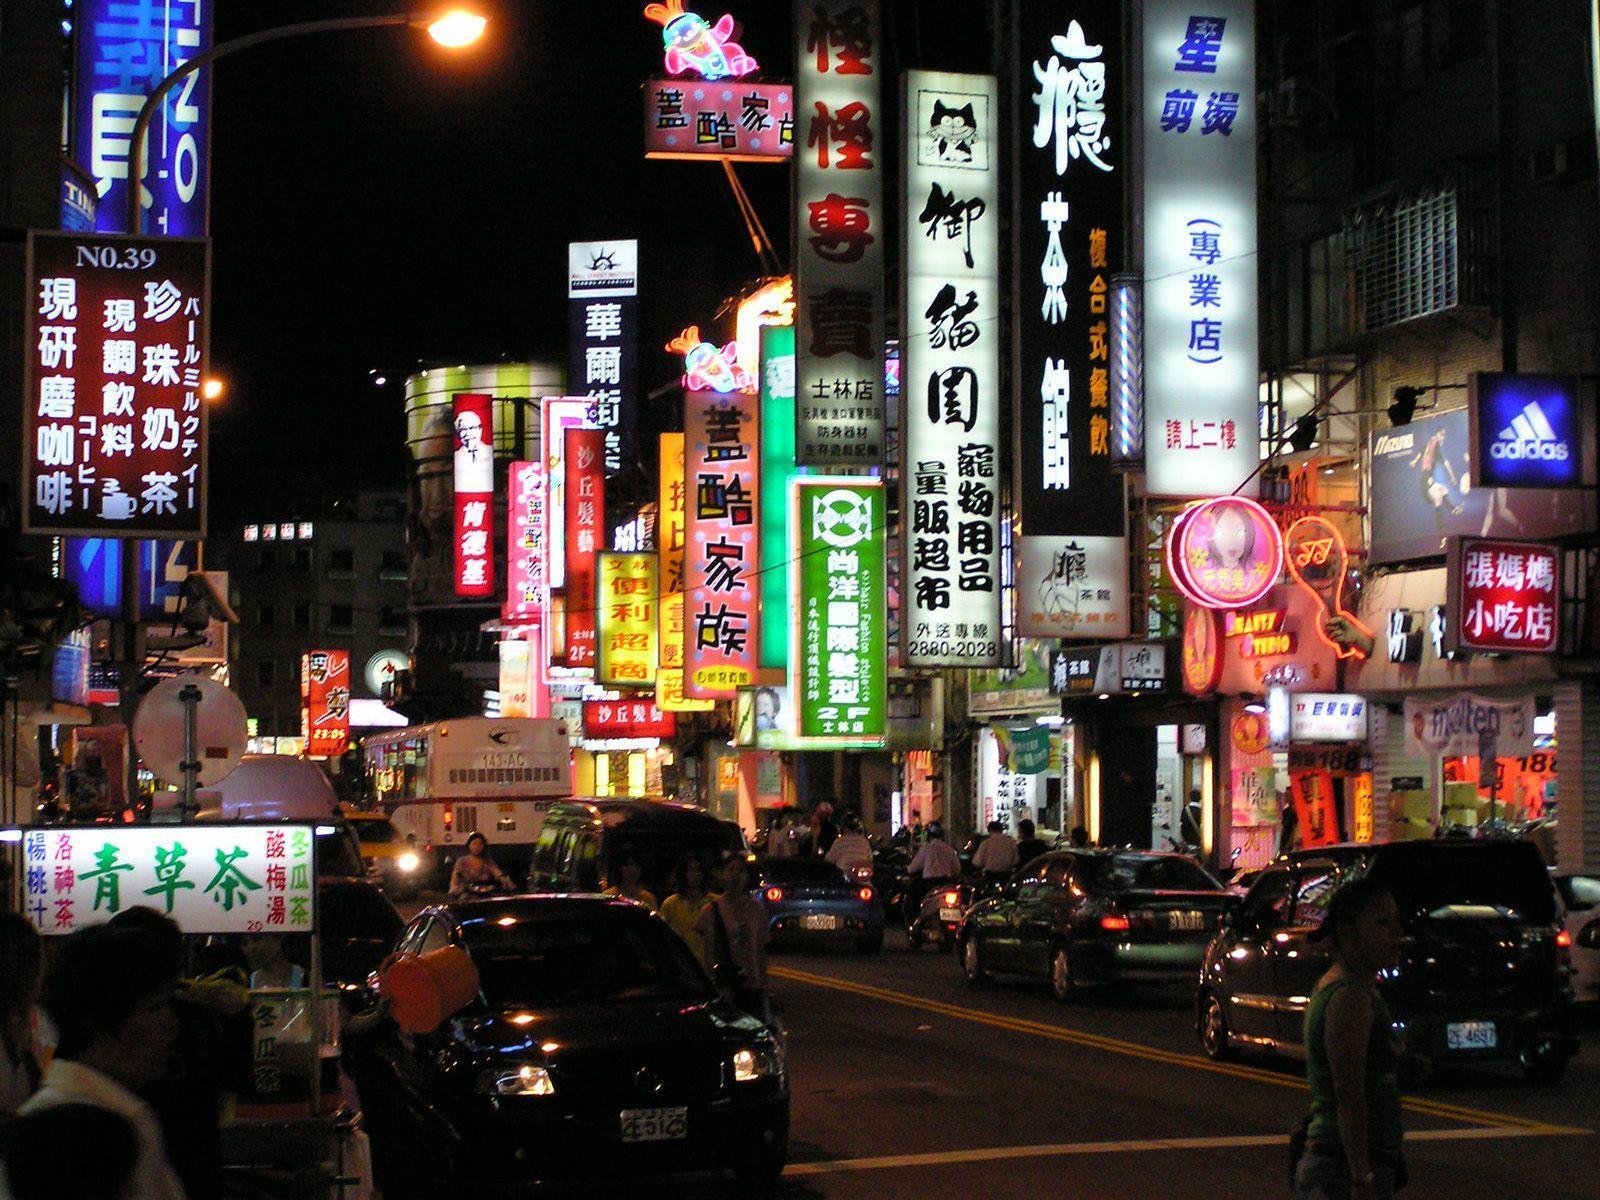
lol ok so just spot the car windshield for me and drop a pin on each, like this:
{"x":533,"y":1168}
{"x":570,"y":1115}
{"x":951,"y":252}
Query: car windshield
{"x":592,"y":960}
{"x":374,"y":833}
{"x":1433,"y":875}
{"x":337,"y":857}
{"x":800,"y":870}
{"x":1145,"y":872}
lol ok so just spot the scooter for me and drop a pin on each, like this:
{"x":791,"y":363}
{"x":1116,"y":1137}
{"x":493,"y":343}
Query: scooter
{"x":939,"y":916}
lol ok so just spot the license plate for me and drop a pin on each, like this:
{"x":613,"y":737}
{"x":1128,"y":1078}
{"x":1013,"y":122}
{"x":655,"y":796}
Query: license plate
{"x":819,"y":922}
{"x":1187,"y":920}
{"x":654,"y":1124}
{"x":949,"y":914}
{"x":1471,"y":1035}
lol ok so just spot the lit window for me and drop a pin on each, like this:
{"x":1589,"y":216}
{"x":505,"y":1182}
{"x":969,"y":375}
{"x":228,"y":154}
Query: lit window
{"x":286,"y":531}
{"x":252,"y":532}
{"x":306,"y":530}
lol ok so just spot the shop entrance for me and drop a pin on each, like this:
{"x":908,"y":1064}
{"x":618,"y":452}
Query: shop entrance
{"x":1127,"y":784}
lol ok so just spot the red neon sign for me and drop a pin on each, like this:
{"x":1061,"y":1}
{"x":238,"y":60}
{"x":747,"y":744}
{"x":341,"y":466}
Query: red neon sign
{"x":1319,"y":562}
{"x":585,"y":516}
{"x":472,"y":415}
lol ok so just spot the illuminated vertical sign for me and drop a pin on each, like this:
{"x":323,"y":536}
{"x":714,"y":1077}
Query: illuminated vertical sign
{"x":527,"y":589}
{"x":840,"y":620}
{"x":114,"y":427}
{"x":325,"y":702}
{"x":557,"y":414}
{"x":839,"y":232}
{"x":602,"y":343}
{"x":1200,"y":352}
{"x":950,"y":456}
{"x":722,"y":583}
{"x":516,"y":678}
{"x":472,"y":415}
{"x":122,"y":50}
{"x":627,"y":612}
{"x":777,"y":468}
{"x":585,"y":511}
{"x":670,"y":519}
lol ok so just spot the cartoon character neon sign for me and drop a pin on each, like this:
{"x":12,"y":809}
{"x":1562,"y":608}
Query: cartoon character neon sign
{"x":706,"y":368}
{"x":1320,"y":563}
{"x":694,"y":44}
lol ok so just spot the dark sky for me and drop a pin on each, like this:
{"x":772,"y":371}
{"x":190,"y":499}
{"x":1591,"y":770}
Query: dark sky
{"x":377,"y":201}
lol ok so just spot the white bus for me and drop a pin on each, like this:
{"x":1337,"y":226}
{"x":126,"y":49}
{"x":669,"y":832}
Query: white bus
{"x":497,"y":776}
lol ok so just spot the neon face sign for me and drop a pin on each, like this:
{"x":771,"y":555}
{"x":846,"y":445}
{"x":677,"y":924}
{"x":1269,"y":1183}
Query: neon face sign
{"x":708,"y":369}
{"x":1225,"y":553}
{"x":694,"y":44}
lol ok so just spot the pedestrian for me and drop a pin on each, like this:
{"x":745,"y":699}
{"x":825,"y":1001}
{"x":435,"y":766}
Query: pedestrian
{"x":1191,"y":818}
{"x":43,"y":1154}
{"x":1078,"y":839}
{"x":783,"y":839}
{"x":997,"y":856}
{"x":851,"y":849}
{"x":20,"y":1065}
{"x":688,"y":900}
{"x":734,"y":927}
{"x":1029,"y":844}
{"x":824,"y":830}
{"x":1352,"y":1134}
{"x":269,"y":965}
{"x":109,"y":994}
{"x":627,"y":879}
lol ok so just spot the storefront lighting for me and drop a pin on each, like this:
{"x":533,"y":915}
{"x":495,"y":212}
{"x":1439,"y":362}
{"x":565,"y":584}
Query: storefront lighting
{"x":1127,"y":370}
{"x":1050,"y":720}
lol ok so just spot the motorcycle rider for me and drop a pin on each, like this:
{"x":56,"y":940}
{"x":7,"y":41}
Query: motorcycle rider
{"x":935,"y":863}
{"x":475,"y":871}
{"x":997,"y":855}
{"x":1029,"y":844}
{"x":852,"y":849}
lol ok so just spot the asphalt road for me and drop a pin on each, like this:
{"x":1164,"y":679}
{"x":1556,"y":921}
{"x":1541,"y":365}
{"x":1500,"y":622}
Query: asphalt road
{"x":910,"y":1082}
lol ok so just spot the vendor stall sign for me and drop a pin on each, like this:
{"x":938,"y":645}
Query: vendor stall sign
{"x":1452,"y":725}
{"x":1317,"y":558}
{"x":1327,"y":717}
{"x":1503,"y":597}
{"x":209,"y":878}
{"x":1530,"y":431}
{"x":1225,"y":553}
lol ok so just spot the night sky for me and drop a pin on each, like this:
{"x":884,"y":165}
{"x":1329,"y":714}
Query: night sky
{"x":378,"y":202}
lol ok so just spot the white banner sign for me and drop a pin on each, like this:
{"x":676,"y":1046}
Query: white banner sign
{"x":1327,"y":717}
{"x":209,"y":878}
{"x":1200,"y":352}
{"x":1454,"y":725}
{"x":950,"y":604}
{"x":1072,"y":587}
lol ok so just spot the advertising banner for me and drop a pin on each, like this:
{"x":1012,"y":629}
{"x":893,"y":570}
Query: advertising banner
{"x":1531,"y":431}
{"x":1225,"y":553}
{"x":1070,"y":146}
{"x":94,"y":567}
{"x":1327,"y":717}
{"x":1504,"y":597}
{"x":1200,"y":351}
{"x":730,"y":119}
{"x":627,"y":610}
{"x":516,"y":678}
{"x":122,"y":51}
{"x":209,"y":878}
{"x":721,"y":575}
{"x":1316,"y":807}
{"x":950,"y":357}
{"x":1452,"y":725}
{"x":585,"y":502}
{"x":1072,"y":587}
{"x":472,"y":414}
{"x":527,"y":589}
{"x":325,"y":702}
{"x":777,"y":468}
{"x":602,"y":342}
{"x":626,"y":719}
{"x":840,"y":645}
{"x":114,"y":426}
{"x":1422,"y":495}
{"x":839,"y":231}
{"x":671,"y":517}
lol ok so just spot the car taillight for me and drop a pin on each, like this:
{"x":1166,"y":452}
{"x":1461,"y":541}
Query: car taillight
{"x":864,"y":893}
{"x":952,"y":897}
{"x":1115,"y":924}
{"x":774,"y":894}
{"x":1563,"y":940}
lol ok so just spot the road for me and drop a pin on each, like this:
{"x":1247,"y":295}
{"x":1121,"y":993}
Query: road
{"x":908,"y":1081}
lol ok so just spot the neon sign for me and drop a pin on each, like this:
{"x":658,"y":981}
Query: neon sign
{"x":1260,"y":632}
{"x":1319,"y":563}
{"x":694,"y":44}
{"x":708,"y":369}
{"x":771,"y":304}
{"x":1225,"y":553}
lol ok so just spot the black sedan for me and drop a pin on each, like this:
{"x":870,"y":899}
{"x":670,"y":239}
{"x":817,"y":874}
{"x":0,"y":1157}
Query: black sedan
{"x":1090,"y":916}
{"x":596,"y":1044}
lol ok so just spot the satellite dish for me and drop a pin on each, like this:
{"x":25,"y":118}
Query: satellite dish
{"x":220,"y":731}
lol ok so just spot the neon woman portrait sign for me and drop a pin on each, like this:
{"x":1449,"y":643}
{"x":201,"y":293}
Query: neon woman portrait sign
{"x":694,"y":44}
{"x":1225,"y":553}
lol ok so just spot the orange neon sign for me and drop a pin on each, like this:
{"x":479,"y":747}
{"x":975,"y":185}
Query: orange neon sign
{"x":1319,"y":562}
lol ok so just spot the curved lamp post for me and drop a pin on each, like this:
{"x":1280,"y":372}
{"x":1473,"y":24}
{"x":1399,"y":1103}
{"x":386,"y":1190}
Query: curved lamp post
{"x":453,"y":28}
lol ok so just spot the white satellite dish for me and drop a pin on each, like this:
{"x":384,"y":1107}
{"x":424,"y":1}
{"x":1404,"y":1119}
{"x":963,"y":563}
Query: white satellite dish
{"x":220,"y":730}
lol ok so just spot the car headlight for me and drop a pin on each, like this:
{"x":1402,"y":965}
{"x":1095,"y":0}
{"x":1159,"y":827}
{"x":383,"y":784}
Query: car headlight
{"x":408,"y":861}
{"x":517,"y":1079}
{"x":756,"y":1062}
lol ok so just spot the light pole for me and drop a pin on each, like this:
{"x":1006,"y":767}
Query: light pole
{"x":453,"y":28}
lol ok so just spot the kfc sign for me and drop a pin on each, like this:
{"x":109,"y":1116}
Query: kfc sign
{"x":1504,"y":597}
{"x":473,"y":418}
{"x":626,"y":719}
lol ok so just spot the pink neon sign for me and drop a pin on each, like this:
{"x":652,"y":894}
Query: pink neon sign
{"x":1225,"y":553}
{"x":694,"y":44}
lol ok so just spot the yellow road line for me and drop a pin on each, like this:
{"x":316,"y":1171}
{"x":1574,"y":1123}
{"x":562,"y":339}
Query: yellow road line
{"x":1110,"y":1045}
{"x":839,"y":1166}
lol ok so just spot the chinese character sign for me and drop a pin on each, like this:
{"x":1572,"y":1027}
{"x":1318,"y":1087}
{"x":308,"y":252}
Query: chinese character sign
{"x":777,"y":468}
{"x":585,"y":502}
{"x":670,"y":518}
{"x":527,"y":588}
{"x":123,"y":50}
{"x":733,"y":120}
{"x":114,"y":426}
{"x":1200,"y":353}
{"x":557,"y":414}
{"x":627,"y":612}
{"x":839,"y":232}
{"x":602,"y":344}
{"x":1225,"y":553}
{"x":1071,"y":150}
{"x":722,"y":571}
{"x":472,"y":415}
{"x":1072,"y":587}
{"x":1505,"y":597}
{"x":626,"y":719}
{"x":325,"y":702}
{"x":950,"y":370}
{"x":839,"y":659}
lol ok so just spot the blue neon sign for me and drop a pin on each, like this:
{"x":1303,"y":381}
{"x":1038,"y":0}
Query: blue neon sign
{"x":1528,"y":431}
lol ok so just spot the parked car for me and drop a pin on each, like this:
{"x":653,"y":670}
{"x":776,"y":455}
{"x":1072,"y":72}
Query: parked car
{"x":1087,"y":916}
{"x":579,"y":843}
{"x":1581,"y":895}
{"x":397,"y":863}
{"x":1483,"y":976}
{"x":597,"y":1044}
{"x":808,"y":899}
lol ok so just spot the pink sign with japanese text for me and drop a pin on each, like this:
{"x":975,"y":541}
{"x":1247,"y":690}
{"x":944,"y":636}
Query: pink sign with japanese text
{"x":721,"y":571}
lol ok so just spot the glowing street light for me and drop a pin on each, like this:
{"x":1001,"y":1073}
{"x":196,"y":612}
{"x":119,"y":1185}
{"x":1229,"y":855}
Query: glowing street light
{"x":457,"y":28}
{"x":213,"y":389}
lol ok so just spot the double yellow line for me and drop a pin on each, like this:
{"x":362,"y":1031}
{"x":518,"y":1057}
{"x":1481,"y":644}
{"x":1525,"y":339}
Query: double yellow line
{"x":1095,"y":1041}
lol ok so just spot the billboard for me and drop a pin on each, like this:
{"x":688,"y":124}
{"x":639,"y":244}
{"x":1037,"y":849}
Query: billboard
{"x":839,"y":232}
{"x":585,"y":502}
{"x":722,"y":584}
{"x":627,"y":719}
{"x":121,"y":53}
{"x":626,"y":610}
{"x":1072,"y":587}
{"x":325,"y":702}
{"x":472,"y":415}
{"x":114,"y":426}
{"x":840,"y":666}
{"x":1422,"y":495}
{"x":602,"y":342}
{"x":777,"y":468}
{"x":730,"y":119}
{"x":1531,"y":431}
{"x":1504,"y":597}
{"x":950,"y":360}
{"x":1200,"y":337}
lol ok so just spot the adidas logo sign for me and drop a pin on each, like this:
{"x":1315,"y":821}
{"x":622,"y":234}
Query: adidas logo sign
{"x":1529,"y":435}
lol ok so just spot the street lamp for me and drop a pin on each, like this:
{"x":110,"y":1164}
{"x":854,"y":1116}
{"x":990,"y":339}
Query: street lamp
{"x":452,"y":27}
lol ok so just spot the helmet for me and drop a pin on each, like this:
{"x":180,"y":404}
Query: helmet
{"x":934,"y":829}
{"x":474,"y":835}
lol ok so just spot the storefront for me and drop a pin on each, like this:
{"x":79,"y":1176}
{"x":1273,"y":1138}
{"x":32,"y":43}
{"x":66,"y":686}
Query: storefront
{"x":1019,"y":768}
